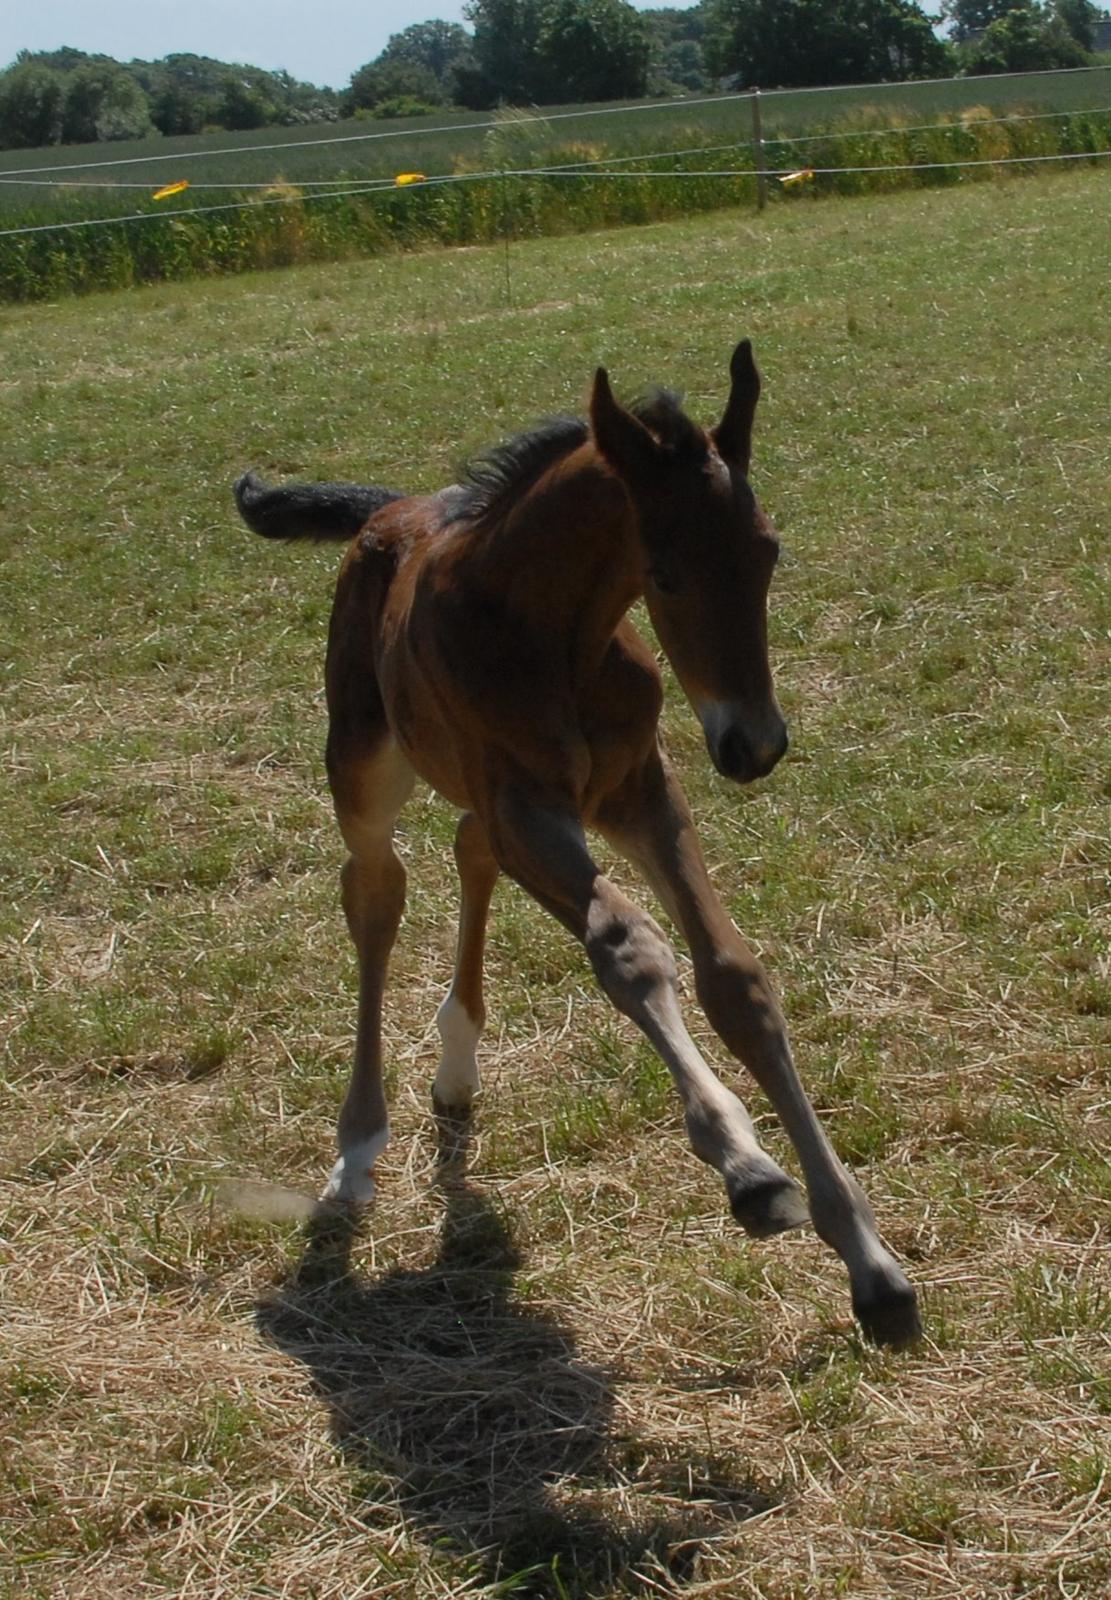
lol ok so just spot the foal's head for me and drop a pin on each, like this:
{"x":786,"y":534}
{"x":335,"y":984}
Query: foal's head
{"x":708,"y":555}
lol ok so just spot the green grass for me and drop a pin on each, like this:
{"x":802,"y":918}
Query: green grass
{"x":382,"y":148}
{"x":572,"y":1369}
{"x":890,"y":127}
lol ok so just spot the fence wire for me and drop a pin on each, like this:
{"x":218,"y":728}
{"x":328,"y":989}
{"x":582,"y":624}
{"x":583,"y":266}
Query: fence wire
{"x":600,"y":168}
{"x":388,"y":185}
{"x":539,"y":118}
{"x":895,"y":131}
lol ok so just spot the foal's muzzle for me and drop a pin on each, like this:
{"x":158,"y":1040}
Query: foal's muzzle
{"x":742,"y":752}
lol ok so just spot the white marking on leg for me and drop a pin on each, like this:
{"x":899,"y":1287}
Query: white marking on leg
{"x":457,"y":1079}
{"x":352,"y":1179}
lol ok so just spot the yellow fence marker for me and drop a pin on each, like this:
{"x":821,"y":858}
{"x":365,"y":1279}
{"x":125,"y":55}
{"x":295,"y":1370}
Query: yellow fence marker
{"x":170,"y":188}
{"x":408,"y":177}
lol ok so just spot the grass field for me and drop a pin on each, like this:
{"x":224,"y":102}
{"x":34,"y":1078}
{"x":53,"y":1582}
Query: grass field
{"x":409,"y":144}
{"x":567,"y":1375}
{"x":885,"y":126}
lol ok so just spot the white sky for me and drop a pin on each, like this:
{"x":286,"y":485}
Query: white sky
{"x":321,"y":43}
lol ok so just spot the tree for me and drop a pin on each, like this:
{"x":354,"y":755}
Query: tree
{"x":544,"y":51}
{"x":1027,"y":39}
{"x":594,"y":50}
{"x":670,"y":25}
{"x":681,"y":65}
{"x":969,"y":18}
{"x":381,"y":80}
{"x":420,"y":63}
{"x":1080,"y":18}
{"x":437,"y":46}
{"x":677,"y":60}
{"x":188,"y":92}
{"x":103,"y":101}
{"x":175,"y":110}
{"x":1023,"y":35}
{"x":32,"y":98}
{"x":507,"y":66}
{"x":243,"y":105}
{"x":804,"y":42}
{"x":65,"y":59}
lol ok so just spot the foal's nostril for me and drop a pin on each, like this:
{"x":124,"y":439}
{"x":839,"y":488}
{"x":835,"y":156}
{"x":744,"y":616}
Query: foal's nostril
{"x":770,"y":754}
{"x":733,"y":756}
{"x":736,"y":757}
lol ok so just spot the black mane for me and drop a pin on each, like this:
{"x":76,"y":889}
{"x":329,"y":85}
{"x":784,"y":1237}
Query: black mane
{"x":661,"y":410}
{"x":490,"y":483}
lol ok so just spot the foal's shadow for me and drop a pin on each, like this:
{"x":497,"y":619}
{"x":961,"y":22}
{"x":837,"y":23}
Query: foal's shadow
{"x":475,"y":1414}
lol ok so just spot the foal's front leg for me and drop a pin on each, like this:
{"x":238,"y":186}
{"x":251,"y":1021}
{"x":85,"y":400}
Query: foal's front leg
{"x":650,"y":822}
{"x":545,"y":850}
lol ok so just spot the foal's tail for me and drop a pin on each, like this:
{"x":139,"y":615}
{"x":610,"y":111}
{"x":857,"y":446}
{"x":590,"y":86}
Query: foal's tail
{"x":309,"y":510}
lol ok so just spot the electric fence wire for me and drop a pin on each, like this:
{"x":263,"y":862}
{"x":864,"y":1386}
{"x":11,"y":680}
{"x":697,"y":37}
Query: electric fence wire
{"x":601,"y":167}
{"x":540,"y":118}
{"x":550,"y":172}
{"x":894,"y":131}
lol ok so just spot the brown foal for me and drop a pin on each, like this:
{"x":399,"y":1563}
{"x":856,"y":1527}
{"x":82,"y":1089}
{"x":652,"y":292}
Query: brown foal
{"x":479,"y":640}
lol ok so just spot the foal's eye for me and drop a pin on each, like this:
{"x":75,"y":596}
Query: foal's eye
{"x":664,"y":581}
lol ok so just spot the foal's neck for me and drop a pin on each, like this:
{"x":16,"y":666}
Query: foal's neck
{"x":567,"y":557}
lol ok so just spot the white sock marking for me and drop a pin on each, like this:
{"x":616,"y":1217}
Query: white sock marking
{"x":457,"y":1078}
{"x":352,"y":1177}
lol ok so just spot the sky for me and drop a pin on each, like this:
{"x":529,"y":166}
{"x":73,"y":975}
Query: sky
{"x":322,"y":42}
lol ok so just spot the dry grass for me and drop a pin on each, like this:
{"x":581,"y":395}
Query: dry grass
{"x":549,"y":1367}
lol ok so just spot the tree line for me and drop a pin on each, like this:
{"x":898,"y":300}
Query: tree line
{"x":544,"y":52}
{"x":69,"y":97}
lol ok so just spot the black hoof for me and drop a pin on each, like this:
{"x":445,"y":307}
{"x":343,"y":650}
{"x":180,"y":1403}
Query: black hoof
{"x":768,"y":1208}
{"x":453,"y":1116}
{"x":453,"y":1133}
{"x":890,"y":1317}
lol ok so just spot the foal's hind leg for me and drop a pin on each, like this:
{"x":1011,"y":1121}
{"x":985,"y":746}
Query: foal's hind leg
{"x":461,"y":1017}
{"x":369,"y":787}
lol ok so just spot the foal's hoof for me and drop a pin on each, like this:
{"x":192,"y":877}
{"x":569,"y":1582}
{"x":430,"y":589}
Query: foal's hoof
{"x":354,"y":1190}
{"x":352,"y":1180}
{"x":767,"y":1208}
{"x":453,"y":1131}
{"x":457,"y":1116}
{"x":890,"y":1315}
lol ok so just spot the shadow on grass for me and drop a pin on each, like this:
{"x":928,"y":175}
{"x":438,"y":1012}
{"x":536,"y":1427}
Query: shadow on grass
{"x":474,"y":1413}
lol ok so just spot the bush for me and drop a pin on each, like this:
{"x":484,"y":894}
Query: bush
{"x":403,"y":105}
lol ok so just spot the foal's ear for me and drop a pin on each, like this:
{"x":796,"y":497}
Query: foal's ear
{"x":733,"y":434}
{"x":622,"y":439}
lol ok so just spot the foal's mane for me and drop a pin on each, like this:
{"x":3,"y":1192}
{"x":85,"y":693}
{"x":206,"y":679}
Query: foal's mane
{"x":494,"y":480}
{"x":490,"y":483}
{"x":661,"y":410}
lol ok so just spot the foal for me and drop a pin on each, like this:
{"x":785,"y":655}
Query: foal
{"x":479,"y":640}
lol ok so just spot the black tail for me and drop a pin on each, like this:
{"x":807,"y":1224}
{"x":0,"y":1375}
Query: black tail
{"x":309,"y":510}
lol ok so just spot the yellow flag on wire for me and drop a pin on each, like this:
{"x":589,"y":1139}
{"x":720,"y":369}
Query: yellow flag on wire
{"x":171,"y":188}
{"x":802,"y":176}
{"x":408,"y":177}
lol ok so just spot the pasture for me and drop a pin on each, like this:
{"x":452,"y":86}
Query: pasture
{"x":246,"y":206}
{"x":379,"y":148}
{"x":564,"y":1373}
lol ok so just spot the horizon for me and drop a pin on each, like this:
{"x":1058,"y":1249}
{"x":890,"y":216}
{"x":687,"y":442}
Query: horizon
{"x":281,"y":36}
